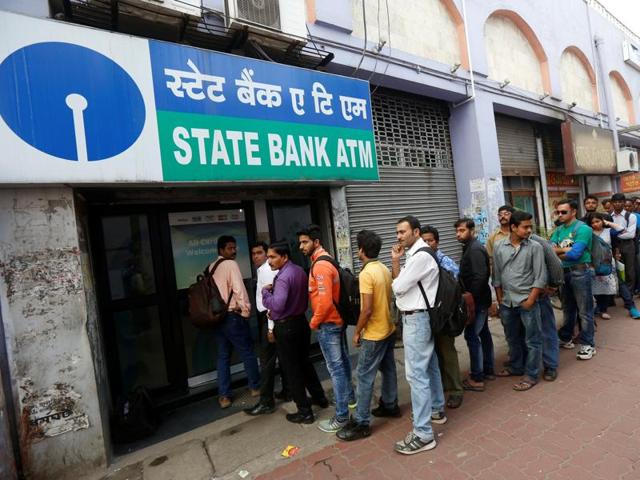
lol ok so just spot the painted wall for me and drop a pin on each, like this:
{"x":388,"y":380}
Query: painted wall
{"x":45,"y":315}
{"x":575,"y":81}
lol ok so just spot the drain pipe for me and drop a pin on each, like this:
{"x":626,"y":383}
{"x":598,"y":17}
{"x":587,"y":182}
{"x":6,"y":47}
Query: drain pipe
{"x":466,"y":39}
{"x":6,"y":391}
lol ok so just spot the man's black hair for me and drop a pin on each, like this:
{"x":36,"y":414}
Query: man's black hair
{"x":467,"y":222}
{"x":260,"y":244}
{"x":411,"y":220}
{"x":617,"y":197}
{"x":281,"y":247}
{"x":605,"y":201}
{"x":370,"y":243}
{"x":223,"y":240}
{"x":590,"y":197}
{"x":568,"y":201}
{"x":508,"y":208}
{"x":312,"y":231}
{"x":432,"y":230}
{"x":519,"y":216}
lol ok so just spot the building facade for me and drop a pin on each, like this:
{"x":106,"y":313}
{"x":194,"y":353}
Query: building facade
{"x":108,"y":210}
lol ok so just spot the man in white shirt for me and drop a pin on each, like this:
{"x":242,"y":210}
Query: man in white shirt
{"x":268,"y":354}
{"x":625,"y":243}
{"x":421,"y":365}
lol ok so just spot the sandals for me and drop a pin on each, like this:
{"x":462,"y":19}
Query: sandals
{"x":454,"y":401}
{"x":524,"y":385}
{"x":472,"y":388}
{"x":507,"y":373}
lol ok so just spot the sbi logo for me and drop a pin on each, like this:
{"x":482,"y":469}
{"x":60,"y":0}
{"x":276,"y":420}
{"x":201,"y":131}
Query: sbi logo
{"x":70,"y":101}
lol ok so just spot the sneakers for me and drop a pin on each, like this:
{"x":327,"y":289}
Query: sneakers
{"x":332,"y":425}
{"x":605,"y":316}
{"x":412,"y":444}
{"x":353,"y":431}
{"x":586,"y":352}
{"x":568,"y":344}
{"x":382,"y":411}
{"x":439,"y":418}
{"x":353,"y":404}
{"x":635,"y":314}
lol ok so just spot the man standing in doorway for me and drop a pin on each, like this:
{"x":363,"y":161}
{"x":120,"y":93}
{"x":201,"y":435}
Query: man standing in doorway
{"x":375,"y":337}
{"x":474,"y":277}
{"x":519,"y":277}
{"x":625,"y":244}
{"x":572,"y":242}
{"x":286,"y":301}
{"x":324,"y":294}
{"x":268,"y":354}
{"x":445,"y":344}
{"x":591,"y":206}
{"x":421,"y":365}
{"x":234,"y":329}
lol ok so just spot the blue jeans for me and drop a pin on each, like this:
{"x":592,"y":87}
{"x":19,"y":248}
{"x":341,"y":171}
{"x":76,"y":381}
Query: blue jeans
{"x":376,"y":355}
{"x":422,"y":372}
{"x":550,"y":344}
{"x":524,"y":335}
{"x":480,"y":345}
{"x":334,"y":350}
{"x":577,"y":301}
{"x":233,"y":332}
{"x":627,"y":296}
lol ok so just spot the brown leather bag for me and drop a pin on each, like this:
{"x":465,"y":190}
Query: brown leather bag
{"x":207,"y":308}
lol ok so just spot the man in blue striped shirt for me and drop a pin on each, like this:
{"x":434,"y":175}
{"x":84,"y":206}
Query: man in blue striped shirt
{"x":445,"y":345}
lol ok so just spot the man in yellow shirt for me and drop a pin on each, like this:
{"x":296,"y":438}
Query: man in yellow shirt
{"x":375,"y":337}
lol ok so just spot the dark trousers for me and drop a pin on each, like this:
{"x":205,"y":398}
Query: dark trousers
{"x":268,"y":361}
{"x":292,"y":343}
{"x":628,"y":252}
{"x":449,"y":366}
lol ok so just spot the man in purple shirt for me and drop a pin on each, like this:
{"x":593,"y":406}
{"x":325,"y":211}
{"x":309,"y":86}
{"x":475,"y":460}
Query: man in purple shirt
{"x":286,"y":302}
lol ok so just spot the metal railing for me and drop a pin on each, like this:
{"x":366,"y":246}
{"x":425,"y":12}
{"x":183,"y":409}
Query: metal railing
{"x":596,"y":5}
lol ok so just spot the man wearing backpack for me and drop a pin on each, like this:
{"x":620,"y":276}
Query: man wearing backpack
{"x":572,"y":242}
{"x":375,"y":337}
{"x":519,"y":277}
{"x":625,"y":244}
{"x":421,"y":365}
{"x":474,"y":276}
{"x":233,"y":331}
{"x":324,"y":295}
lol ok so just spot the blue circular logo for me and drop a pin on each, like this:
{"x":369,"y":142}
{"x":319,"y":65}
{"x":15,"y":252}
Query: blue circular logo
{"x":70,"y":101}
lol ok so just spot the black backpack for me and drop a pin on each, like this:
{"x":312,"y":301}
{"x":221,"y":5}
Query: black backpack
{"x":449,"y":315}
{"x":207,"y":308}
{"x":348,"y":305}
{"x":135,"y":417}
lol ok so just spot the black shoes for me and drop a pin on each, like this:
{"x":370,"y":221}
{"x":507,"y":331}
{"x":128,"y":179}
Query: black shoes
{"x":353,"y":431}
{"x":301,"y":417}
{"x":259,"y":409}
{"x":382,"y":411}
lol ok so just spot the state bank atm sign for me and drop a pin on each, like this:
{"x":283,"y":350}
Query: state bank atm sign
{"x":87,"y":106}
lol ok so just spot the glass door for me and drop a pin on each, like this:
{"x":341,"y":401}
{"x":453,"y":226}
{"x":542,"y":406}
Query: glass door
{"x":286,"y":218}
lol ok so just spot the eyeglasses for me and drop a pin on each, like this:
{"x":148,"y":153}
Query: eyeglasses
{"x":563,"y":212}
{"x":504,"y":214}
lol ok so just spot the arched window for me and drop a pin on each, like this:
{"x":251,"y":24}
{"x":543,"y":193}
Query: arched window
{"x":622,"y":98}
{"x":578,"y":79}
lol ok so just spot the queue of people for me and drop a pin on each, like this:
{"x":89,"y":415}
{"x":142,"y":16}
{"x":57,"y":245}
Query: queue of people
{"x":524,"y":269}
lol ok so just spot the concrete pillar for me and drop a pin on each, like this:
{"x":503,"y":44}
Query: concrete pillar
{"x":44,"y":310}
{"x":341,"y":227}
{"x":7,"y":459}
{"x":476,"y":162}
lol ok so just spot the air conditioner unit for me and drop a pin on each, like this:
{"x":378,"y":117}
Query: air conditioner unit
{"x":286,"y":16}
{"x":627,"y":160}
{"x":631,"y":54}
{"x":189,"y":7}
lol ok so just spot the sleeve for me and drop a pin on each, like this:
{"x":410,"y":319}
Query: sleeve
{"x":276,"y":300}
{"x":582,"y":242}
{"x":497,"y":270}
{"x":554,"y":238}
{"x":413,"y":272}
{"x":539,"y":267}
{"x":449,"y":265}
{"x":479,"y":273}
{"x":490,"y":241}
{"x":630,"y":230}
{"x":239,"y":290}
{"x":366,"y":283}
{"x":323,"y":274}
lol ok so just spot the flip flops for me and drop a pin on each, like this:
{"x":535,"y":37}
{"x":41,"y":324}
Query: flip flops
{"x":472,"y":388}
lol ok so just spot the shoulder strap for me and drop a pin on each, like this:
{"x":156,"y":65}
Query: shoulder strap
{"x":213,"y":270}
{"x":326,"y":258}
{"x":433,"y":255}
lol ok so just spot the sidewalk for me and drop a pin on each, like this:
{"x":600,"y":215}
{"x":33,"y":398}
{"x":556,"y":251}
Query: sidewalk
{"x":584,"y":425}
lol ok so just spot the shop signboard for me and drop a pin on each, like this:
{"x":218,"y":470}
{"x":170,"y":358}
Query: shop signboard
{"x":588,"y":150}
{"x":630,"y":182}
{"x":82,"y":105}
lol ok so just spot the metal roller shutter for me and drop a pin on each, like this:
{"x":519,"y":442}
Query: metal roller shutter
{"x":413,"y":146}
{"x":517,"y":146}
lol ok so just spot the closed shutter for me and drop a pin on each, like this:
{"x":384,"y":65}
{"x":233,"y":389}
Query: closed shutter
{"x":413,"y":147}
{"x":552,"y":147}
{"x":517,"y":146}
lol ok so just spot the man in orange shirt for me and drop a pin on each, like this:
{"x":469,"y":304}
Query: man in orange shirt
{"x":324,"y":294}
{"x":234,"y":330}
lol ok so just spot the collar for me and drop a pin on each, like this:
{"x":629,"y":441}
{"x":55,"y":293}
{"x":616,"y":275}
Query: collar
{"x":522,"y":242}
{"x":371,"y":260}
{"x":420,"y":243}
{"x":621,"y":214}
{"x":284,"y":267}
{"x":318,"y":253}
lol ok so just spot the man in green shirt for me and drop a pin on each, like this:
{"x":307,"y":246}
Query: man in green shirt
{"x":572,"y":243}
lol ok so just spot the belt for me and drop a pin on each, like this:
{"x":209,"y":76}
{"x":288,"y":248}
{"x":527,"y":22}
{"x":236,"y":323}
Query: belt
{"x":411,"y":312}
{"x":293,"y":317}
{"x":580,"y":267}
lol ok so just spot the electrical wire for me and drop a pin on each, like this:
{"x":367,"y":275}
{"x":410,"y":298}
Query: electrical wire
{"x":389,"y":42}
{"x":364,"y":48}
{"x":375,"y":65}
